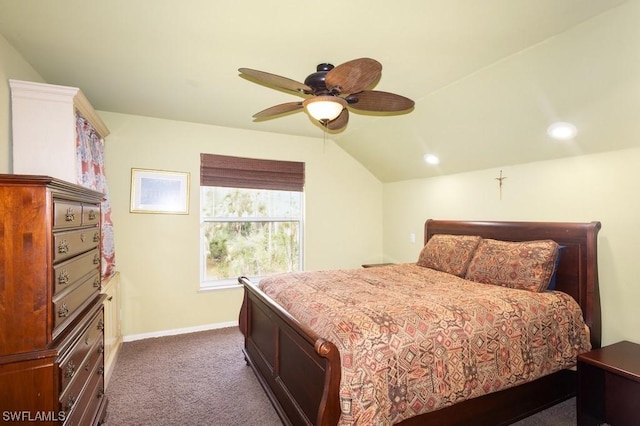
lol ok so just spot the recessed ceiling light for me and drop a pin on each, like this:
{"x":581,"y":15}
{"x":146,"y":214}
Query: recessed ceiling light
{"x":562,"y":131}
{"x":431,"y":159}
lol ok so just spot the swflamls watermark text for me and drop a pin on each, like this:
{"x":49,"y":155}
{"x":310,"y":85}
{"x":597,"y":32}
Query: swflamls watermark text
{"x":33,"y":416}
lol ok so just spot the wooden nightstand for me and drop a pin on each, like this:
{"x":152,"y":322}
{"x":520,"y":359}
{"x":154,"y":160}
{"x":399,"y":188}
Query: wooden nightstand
{"x":609,"y":385}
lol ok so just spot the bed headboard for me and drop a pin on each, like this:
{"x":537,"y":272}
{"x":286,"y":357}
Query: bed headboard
{"x":578,"y":269}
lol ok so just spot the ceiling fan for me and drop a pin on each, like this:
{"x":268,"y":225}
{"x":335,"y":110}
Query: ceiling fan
{"x":331,"y":91}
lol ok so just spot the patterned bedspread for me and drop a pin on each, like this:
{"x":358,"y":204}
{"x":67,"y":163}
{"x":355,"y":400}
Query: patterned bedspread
{"x":413,"y":340}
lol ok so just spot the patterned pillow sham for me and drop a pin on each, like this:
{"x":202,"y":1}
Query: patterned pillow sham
{"x":449,"y":253}
{"x":526,"y":265}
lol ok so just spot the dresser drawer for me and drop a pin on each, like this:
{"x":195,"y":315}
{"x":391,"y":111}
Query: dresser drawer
{"x":66,"y":214}
{"x":69,"y":243}
{"x":87,"y":348}
{"x":81,"y":400}
{"x":92,"y":399}
{"x":90,"y":214}
{"x":68,"y":273}
{"x":66,"y":303}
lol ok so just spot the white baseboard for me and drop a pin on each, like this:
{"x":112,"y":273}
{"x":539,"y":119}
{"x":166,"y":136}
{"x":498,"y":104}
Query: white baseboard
{"x":133,"y":337}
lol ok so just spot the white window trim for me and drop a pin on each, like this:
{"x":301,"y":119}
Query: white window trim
{"x":231,"y":283}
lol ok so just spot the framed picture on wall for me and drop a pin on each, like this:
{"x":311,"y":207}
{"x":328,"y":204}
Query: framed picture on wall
{"x":159,"y":191}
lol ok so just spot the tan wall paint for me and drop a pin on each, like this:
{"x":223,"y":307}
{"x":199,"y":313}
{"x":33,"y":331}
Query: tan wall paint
{"x":12,"y":66}
{"x":158,"y":255}
{"x":599,"y":187}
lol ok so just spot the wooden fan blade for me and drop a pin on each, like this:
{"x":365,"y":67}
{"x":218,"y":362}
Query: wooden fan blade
{"x":374,"y":100}
{"x":278,"y":109}
{"x":276,"y":80}
{"x":340,"y":121}
{"x":353,"y":76}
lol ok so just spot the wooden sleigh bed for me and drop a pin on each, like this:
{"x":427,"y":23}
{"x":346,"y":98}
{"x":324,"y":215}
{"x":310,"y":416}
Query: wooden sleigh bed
{"x":301,"y":372}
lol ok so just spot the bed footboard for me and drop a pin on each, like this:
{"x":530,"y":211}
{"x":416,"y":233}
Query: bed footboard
{"x":299,"y":371}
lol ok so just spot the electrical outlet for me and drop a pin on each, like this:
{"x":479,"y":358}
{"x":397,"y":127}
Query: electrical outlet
{"x":412,"y":238}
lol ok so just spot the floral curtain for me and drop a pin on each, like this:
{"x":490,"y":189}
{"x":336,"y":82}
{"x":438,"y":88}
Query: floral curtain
{"x":91,"y":174}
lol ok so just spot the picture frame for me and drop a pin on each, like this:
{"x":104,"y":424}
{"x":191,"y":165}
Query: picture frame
{"x":159,"y":191}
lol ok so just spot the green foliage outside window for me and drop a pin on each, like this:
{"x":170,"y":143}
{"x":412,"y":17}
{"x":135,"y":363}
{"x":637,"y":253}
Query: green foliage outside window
{"x":250,"y":232}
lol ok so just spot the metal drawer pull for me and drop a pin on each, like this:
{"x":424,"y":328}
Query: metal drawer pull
{"x":70,"y":402}
{"x":96,"y":282}
{"x":63,"y":247}
{"x":96,"y":237}
{"x":96,"y":259}
{"x":92,"y":215}
{"x":63,"y":277}
{"x":101,"y":325}
{"x":100,"y":371}
{"x":63,"y":311}
{"x":70,"y":370}
{"x":100,"y":393}
{"x":70,"y":216}
{"x":101,"y":349}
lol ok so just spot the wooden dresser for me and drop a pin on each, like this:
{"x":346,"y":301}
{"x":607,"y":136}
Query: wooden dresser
{"x":51,"y":310}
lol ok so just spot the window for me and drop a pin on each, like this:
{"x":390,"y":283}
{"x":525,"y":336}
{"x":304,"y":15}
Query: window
{"x":250,"y":218}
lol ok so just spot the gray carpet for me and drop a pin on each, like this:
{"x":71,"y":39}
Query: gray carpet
{"x":202,"y":379}
{"x":190,"y":379}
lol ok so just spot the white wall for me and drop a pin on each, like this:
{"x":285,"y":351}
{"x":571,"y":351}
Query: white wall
{"x":600,"y":187}
{"x":158,"y":255}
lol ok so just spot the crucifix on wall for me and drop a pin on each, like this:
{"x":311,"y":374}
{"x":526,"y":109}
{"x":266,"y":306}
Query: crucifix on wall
{"x":500,"y":179}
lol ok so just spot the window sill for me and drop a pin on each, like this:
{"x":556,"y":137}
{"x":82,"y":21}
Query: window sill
{"x":222,"y":286}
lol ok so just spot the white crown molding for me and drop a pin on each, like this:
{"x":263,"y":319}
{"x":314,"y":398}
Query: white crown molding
{"x":63,"y":94}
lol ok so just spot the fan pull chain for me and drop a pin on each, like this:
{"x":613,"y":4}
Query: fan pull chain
{"x":325,"y":127}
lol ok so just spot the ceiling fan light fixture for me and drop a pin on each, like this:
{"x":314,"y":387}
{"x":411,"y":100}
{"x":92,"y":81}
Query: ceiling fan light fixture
{"x":324,"y":108}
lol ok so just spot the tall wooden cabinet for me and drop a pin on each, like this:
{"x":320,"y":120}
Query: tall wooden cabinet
{"x":51,"y":309}
{"x":112,"y":329}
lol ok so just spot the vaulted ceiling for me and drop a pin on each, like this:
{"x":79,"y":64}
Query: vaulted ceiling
{"x":487,"y":77}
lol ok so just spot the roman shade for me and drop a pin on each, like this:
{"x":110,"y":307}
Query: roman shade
{"x":239,"y":172}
